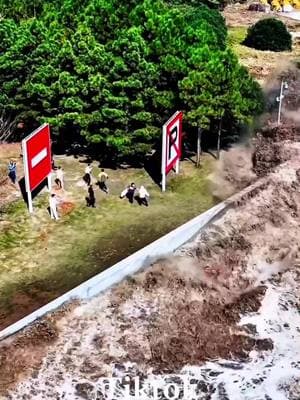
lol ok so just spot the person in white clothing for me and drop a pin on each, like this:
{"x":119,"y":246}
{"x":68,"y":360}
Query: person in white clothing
{"x":87,"y":174}
{"x":60,"y":178}
{"x":53,"y":206}
{"x":142,"y":196}
{"x":103,"y":177}
{"x":88,"y":169}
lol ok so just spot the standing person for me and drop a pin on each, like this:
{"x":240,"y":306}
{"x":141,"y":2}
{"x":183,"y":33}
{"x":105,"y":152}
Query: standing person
{"x":53,"y":206}
{"x":12,"y":171}
{"x":60,"y":178}
{"x":90,"y":200}
{"x":87,"y":176}
{"x":130,"y":192}
{"x":142,"y":196}
{"x":102,"y":181}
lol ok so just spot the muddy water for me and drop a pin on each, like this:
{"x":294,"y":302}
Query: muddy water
{"x":266,"y":375}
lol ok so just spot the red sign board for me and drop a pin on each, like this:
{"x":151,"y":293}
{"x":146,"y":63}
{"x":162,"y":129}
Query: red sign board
{"x":172,"y":131}
{"x":37,"y":156}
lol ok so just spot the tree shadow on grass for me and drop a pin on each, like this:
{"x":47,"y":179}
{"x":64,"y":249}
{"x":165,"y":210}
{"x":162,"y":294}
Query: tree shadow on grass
{"x":153,"y":167}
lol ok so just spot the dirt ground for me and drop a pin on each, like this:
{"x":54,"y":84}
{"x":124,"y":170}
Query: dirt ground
{"x":237,"y":15}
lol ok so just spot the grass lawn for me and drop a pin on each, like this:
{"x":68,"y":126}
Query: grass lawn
{"x":41,"y":259}
{"x":263,"y":65}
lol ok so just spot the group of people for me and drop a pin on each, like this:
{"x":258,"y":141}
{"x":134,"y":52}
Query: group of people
{"x":102,"y":183}
{"x":141,"y":197}
{"x":131,"y":192}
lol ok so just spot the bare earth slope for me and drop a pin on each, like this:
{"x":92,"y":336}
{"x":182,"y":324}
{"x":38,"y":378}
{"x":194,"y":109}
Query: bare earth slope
{"x":224,"y":311}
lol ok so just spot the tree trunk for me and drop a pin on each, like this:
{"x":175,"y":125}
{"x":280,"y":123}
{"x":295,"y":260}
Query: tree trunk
{"x":198,"y":146}
{"x":7,"y":127}
{"x":219,"y":139}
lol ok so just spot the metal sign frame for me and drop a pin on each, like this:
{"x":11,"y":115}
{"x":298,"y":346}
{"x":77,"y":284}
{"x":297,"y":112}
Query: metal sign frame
{"x":169,"y":144}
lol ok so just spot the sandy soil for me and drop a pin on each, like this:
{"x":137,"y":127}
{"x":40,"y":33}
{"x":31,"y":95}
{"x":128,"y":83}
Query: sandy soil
{"x":239,"y":15}
{"x":185,"y":312}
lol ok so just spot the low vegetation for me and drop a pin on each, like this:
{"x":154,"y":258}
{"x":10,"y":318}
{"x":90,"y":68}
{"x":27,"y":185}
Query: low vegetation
{"x":269,"y":34}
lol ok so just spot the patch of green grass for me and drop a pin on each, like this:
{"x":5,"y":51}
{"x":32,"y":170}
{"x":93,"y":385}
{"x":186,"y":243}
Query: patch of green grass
{"x":15,"y":209}
{"x":236,"y":35}
{"x":13,"y":231}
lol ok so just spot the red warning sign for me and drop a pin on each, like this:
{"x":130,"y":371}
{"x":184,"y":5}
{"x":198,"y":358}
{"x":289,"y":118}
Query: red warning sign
{"x":172,"y":131}
{"x":37,"y":156}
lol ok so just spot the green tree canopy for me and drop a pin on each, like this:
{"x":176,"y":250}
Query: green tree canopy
{"x":115,"y":71}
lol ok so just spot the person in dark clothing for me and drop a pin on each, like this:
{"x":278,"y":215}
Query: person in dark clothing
{"x":12,"y":171}
{"x":130,"y":192}
{"x":91,"y":200}
{"x":87,"y":179}
{"x":87,"y":176}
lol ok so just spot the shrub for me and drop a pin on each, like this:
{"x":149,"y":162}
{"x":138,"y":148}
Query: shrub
{"x":269,"y":34}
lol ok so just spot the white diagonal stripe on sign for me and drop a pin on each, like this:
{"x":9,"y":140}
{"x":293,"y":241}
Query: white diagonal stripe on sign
{"x":39,"y":157}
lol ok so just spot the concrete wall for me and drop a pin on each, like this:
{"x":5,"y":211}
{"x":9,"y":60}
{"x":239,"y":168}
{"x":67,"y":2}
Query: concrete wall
{"x":162,"y":247}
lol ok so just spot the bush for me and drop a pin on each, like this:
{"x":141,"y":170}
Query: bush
{"x":269,"y":34}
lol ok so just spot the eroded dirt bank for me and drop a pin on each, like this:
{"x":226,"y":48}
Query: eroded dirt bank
{"x":224,"y":311}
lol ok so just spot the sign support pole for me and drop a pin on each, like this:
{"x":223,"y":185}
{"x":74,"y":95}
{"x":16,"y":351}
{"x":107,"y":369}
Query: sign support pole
{"x":49,"y":182}
{"x":177,"y":167}
{"x":30,"y":206}
{"x":163,"y":159}
{"x":163,"y":182}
